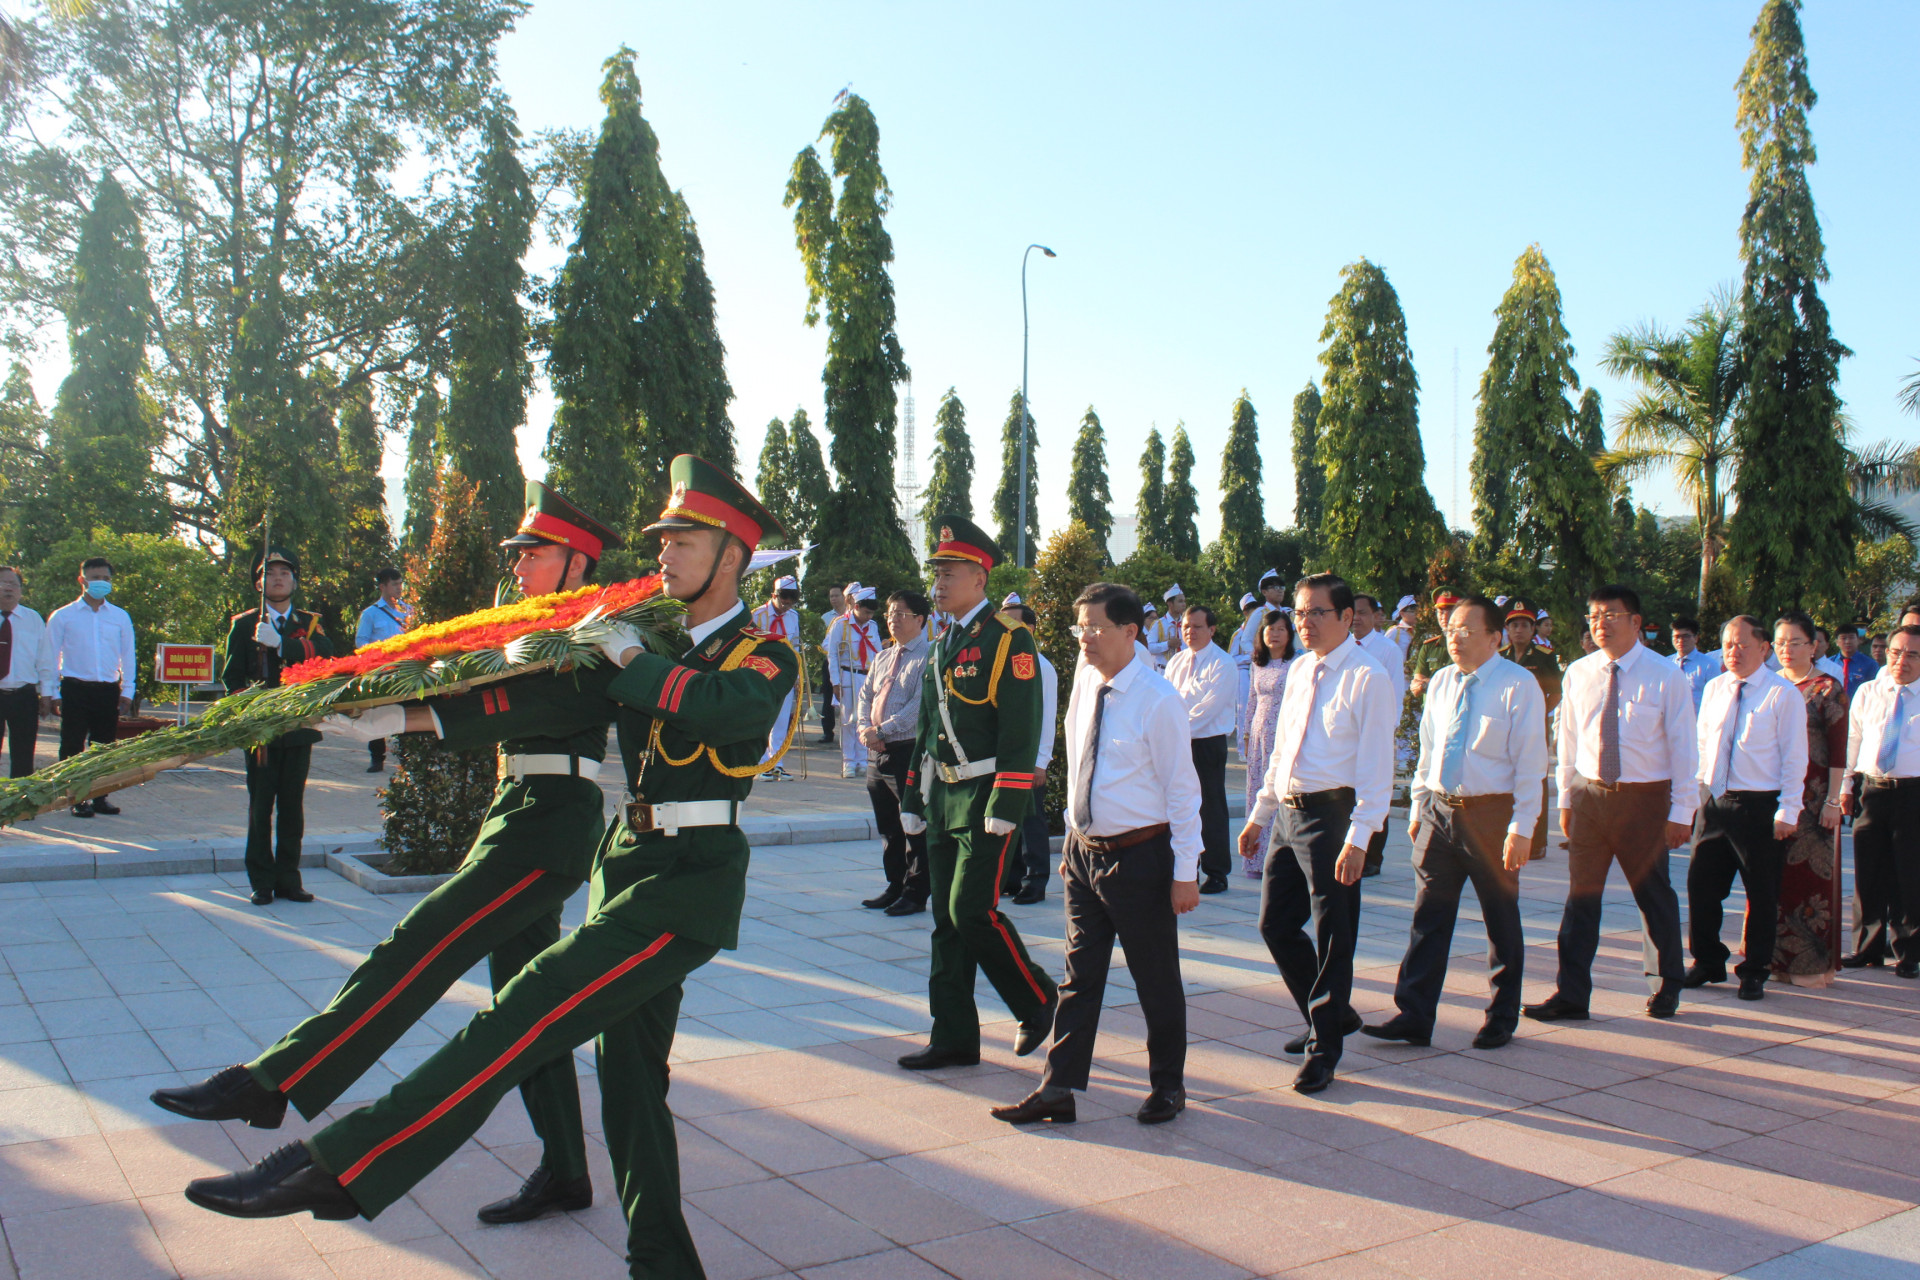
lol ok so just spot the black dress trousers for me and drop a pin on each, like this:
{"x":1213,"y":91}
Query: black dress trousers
{"x":20,"y":721}
{"x":276,"y":815}
{"x":1210,"y":763}
{"x":1456,"y":845}
{"x":1628,"y":826}
{"x":89,"y":710}
{"x":1886,"y":870}
{"x":1733,"y":835}
{"x":904,"y":857}
{"x":1299,"y":885}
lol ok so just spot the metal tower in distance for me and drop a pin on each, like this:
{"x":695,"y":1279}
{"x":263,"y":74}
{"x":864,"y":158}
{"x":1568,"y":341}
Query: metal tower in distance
{"x":907,"y":489}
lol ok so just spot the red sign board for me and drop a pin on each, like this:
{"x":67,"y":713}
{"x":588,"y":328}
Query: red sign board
{"x":183,"y":663}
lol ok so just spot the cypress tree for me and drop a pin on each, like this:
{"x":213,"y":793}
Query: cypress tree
{"x":1089,"y":496}
{"x":1791,"y":536}
{"x":1590,"y":424}
{"x":1379,"y":523}
{"x":774,"y":479}
{"x":1243,"y":511}
{"x":1183,"y":500}
{"x":26,"y":476}
{"x":950,"y":487}
{"x":845,"y":248}
{"x":423,"y":464}
{"x":363,"y":495}
{"x":685,"y":392}
{"x":1006,"y":497}
{"x":1309,"y":481}
{"x":487,"y":396}
{"x":1150,"y":508}
{"x":809,"y":479}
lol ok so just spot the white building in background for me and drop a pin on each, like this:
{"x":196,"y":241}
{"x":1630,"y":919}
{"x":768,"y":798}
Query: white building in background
{"x":1125,"y":538}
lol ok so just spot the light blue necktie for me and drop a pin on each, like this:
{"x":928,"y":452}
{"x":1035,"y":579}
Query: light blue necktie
{"x":1453,"y":757}
{"x":1889,"y":755}
{"x":1724,"y":764}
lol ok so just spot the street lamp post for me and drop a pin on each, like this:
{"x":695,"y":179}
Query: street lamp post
{"x":1026,"y":417}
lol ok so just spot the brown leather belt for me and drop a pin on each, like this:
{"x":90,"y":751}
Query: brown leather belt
{"x":1125,"y":840}
{"x":1887,"y":784}
{"x":1472,"y":802}
{"x":1628,"y":787}
{"x":1314,"y":799}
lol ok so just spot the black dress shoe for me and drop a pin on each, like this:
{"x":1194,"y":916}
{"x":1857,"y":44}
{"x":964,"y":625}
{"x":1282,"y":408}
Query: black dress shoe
{"x":1029,"y":894}
{"x":1397,"y":1031}
{"x":293,"y":895}
{"x":1214,"y":884}
{"x":1351,"y":1026}
{"x":1035,"y":1029}
{"x":1858,"y":961}
{"x":232,"y":1094}
{"x":890,"y":896}
{"x":1315,"y":1075}
{"x":932,"y":1059}
{"x":1161,"y":1106}
{"x":540,"y":1194}
{"x":102,"y":805}
{"x":1665,"y":1002}
{"x":82,"y":810}
{"x":1753,"y":988}
{"x":378,"y":766}
{"x":1907,"y":969}
{"x":906,"y":907}
{"x":1699,"y":975}
{"x":1493,"y":1036}
{"x":1034,"y":1109}
{"x":1555,"y":1008}
{"x":288,"y":1181}
{"x":262,"y":898}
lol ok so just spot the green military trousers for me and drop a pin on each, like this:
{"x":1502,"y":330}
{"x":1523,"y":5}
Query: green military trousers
{"x":506,"y":914}
{"x":970,"y":931}
{"x":612,"y":978}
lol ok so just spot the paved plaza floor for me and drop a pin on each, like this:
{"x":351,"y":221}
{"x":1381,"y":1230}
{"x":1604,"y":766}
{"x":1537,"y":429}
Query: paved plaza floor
{"x":1771,"y":1140}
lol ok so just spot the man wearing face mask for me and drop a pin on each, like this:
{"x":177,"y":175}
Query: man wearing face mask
{"x":87,"y":657}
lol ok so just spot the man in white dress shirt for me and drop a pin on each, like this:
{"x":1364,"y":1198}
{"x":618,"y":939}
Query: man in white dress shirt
{"x":87,"y":669}
{"x":780,"y":617}
{"x":21,"y":631}
{"x":1326,"y":793}
{"x":1167,"y":633}
{"x":1130,"y":863}
{"x":1476,"y":793}
{"x":1753,"y":771}
{"x":1367,"y":619}
{"x":1628,"y":788}
{"x":1204,"y":677}
{"x":1882,"y":795}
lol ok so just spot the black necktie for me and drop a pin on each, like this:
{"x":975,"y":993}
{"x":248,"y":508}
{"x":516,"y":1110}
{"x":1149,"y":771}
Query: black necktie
{"x":1089,"y":757}
{"x":6,"y":644}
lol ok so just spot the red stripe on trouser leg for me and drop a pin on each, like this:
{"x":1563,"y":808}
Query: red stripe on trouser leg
{"x":1000,"y":925}
{"x":419,"y":967}
{"x":500,"y":1063}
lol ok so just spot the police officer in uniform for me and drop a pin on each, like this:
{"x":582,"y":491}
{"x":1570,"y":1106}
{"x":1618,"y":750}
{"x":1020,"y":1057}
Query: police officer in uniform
{"x":534,"y":850}
{"x":1522,"y":647}
{"x":668,"y":885}
{"x":971,"y":786}
{"x":258,"y":647}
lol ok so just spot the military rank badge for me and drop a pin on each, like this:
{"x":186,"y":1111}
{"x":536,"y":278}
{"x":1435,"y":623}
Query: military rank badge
{"x":1022,"y":666}
{"x":765,"y":666}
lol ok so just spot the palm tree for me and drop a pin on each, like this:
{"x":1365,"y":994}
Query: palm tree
{"x":1682,"y":419}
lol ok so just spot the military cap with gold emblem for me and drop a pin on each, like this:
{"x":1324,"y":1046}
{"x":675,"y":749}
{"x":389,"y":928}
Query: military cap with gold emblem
{"x":276,"y":555}
{"x":705,"y":497}
{"x":551,"y":519}
{"x":1518,"y":608}
{"x":1445,"y":598}
{"x":962,"y":539}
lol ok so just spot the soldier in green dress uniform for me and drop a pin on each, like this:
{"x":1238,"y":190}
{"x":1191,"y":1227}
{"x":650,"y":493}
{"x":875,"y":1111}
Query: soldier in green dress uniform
{"x":668,"y":885}
{"x":969,"y":789}
{"x":534,"y":849}
{"x":1523,"y":649}
{"x":1431,"y":654}
{"x":258,"y":647}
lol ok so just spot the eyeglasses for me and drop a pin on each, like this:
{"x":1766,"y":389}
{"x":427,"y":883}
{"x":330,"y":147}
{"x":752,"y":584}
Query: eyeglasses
{"x":1603,"y":619}
{"x":1090,"y":633}
{"x":1316,"y":614}
{"x":1462,"y":633}
{"x":1903,"y":653}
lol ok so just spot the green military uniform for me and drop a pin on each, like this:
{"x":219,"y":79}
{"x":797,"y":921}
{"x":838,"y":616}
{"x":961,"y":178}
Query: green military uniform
{"x":1431,"y":654}
{"x":534,"y":850}
{"x":1546,"y":669}
{"x":277,"y":772}
{"x":974,"y":764}
{"x":668,"y":885}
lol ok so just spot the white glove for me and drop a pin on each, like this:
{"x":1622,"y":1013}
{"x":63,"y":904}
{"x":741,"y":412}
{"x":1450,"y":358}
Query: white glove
{"x":619,"y":642}
{"x":999,"y":827}
{"x":912,"y":823}
{"x":374,"y":722}
{"x":267,"y":634}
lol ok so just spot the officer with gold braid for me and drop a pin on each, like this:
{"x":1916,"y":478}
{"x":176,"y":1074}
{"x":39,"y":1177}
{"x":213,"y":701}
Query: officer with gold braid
{"x":534,"y":850}
{"x":667,"y":890}
{"x":969,"y":790}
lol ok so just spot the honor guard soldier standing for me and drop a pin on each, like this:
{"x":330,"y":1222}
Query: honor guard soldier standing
{"x":1431,"y":654}
{"x":971,"y":786}
{"x":1522,"y":649}
{"x":668,"y":886}
{"x":258,"y":647}
{"x":534,"y":850}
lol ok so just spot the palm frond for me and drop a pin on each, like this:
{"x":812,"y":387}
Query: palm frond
{"x":1881,"y":520}
{"x":1889,"y":465}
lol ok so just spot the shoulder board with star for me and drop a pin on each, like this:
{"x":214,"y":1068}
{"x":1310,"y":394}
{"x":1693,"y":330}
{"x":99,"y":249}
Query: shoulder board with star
{"x":1434,"y":640}
{"x":756,"y":633}
{"x":1010,"y":621}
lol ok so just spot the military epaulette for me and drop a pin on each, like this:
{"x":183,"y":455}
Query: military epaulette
{"x":757,"y":633}
{"x":1010,"y":621}
{"x":1434,"y":640}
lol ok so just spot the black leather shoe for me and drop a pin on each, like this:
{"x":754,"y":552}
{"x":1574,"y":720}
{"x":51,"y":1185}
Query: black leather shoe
{"x":102,"y":805}
{"x":1397,"y":1031}
{"x":1029,"y":894}
{"x":262,"y":898}
{"x":82,"y":810}
{"x":1907,"y":969}
{"x":540,"y":1194}
{"x":1034,"y":1109}
{"x":288,"y":1181}
{"x":1493,"y":1036}
{"x":1753,"y":988}
{"x":293,"y":895}
{"x":906,"y":907}
{"x":378,"y":766}
{"x":1315,"y":1075}
{"x":1035,"y":1029}
{"x":932,"y":1059}
{"x":1555,"y":1009}
{"x":1298,"y":1044}
{"x":1858,"y":961}
{"x":232,"y":1094}
{"x":1699,"y":975}
{"x":1214,"y":884}
{"x":1161,"y":1106}
{"x":1665,"y":1002}
{"x":886,"y":899}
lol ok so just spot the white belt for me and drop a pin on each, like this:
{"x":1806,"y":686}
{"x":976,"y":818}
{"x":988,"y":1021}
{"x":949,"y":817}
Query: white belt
{"x":518,"y":767}
{"x":952,"y":773}
{"x":669,"y":817}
